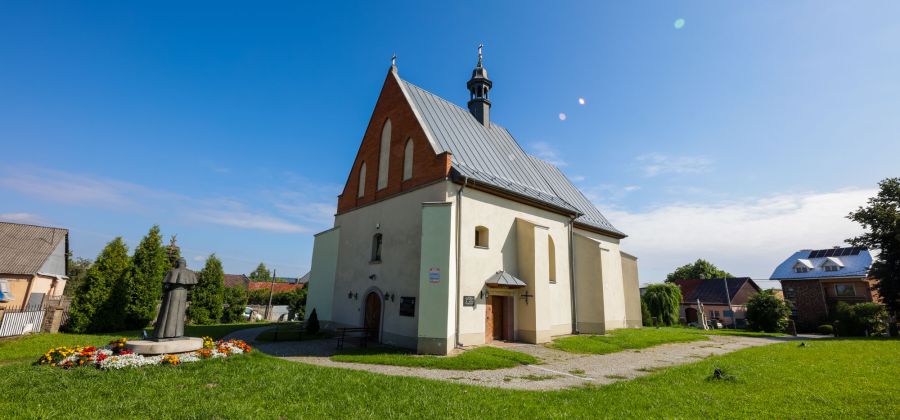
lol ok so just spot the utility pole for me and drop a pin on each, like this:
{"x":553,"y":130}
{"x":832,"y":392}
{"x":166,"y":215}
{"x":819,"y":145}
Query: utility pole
{"x":730,"y":308}
{"x":271,"y":290}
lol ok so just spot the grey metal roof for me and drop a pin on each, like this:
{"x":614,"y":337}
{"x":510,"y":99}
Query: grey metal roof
{"x":857,"y":265}
{"x":25,"y":248}
{"x":492,"y":156}
{"x":504,"y":279}
{"x":564,"y":188}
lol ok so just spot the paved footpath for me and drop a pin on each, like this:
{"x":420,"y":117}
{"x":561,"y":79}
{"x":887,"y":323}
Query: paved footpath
{"x":559,"y":369}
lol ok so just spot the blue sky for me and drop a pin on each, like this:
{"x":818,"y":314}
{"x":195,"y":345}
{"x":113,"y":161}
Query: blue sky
{"x":741,"y":136}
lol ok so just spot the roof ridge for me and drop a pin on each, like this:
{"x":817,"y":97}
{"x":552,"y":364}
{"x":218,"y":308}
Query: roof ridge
{"x":33,"y":225}
{"x":441,"y":98}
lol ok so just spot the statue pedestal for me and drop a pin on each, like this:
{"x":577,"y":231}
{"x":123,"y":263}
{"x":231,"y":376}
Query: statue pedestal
{"x":173,"y":346}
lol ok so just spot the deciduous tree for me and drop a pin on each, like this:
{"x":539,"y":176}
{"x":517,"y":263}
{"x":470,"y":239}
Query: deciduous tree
{"x":663,"y":301}
{"x":881,"y":221}
{"x":700,"y":269}
{"x":235,"y":299}
{"x":261,"y":273}
{"x":766,"y":312}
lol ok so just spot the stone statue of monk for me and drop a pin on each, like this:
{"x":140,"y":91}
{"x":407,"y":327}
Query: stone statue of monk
{"x":170,"y":322}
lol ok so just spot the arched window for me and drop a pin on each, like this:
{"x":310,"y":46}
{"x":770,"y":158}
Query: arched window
{"x":384,"y":157}
{"x":551,"y":253}
{"x":376,"y":248}
{"x":408,"y":160}
{"x":481,"y":236}
{"x":361,"y":187}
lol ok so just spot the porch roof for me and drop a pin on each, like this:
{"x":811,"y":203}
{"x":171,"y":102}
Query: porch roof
{"x":504,"y":279}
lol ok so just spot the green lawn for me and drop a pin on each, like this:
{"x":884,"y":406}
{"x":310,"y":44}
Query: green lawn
{"x":829,"y":378}
{"x":480,"y":358}
{"x":290,"y":331}
{"x":625,"y":339}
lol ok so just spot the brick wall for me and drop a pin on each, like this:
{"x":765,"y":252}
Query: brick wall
{"x":427,"y":166}
{"x":807,"y":298}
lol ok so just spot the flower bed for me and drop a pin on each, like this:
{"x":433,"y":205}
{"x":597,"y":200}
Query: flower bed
{"x":116,"y":356}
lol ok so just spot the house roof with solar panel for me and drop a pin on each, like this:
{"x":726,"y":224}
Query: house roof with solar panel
{"x":834,"y":262}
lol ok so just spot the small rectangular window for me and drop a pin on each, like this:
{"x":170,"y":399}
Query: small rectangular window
{"x":844,"y":290}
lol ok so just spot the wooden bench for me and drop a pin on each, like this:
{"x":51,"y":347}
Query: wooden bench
{"x":345,"y":333}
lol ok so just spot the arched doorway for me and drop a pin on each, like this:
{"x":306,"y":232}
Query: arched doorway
{"x":690,"y":314}
{"x":372,"y":319}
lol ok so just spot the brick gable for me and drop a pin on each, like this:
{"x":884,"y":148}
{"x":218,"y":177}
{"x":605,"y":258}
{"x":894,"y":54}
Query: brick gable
{"x":427,"y":166}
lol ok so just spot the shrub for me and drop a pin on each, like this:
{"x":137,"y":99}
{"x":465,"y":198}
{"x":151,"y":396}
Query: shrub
{"x":825,"y":329}
{"x":312,"y":326}
{"x":663,"y":302}
{"x":235,"y":301}
{"x":766,"y":312}
{"x":860,"y":319}
{"x":646,"y":318}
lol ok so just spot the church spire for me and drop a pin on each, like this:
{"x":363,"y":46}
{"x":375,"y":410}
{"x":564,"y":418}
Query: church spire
{"x":479,"y":86}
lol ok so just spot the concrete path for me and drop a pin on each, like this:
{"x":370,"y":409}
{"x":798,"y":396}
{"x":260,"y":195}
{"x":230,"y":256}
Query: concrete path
{"x":559,"y":369}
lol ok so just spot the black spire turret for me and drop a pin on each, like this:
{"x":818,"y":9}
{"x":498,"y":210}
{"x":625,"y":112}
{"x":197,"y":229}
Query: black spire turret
{"x":479,"y":86}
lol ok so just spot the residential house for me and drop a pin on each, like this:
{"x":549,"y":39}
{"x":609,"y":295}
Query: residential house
{"x":236,"y":280}
{"x":448,"y":234}
{"x":277,"y":287}
{"x":814,"y":281}
{"x":33,"y":265}
{"x":724,"y":300}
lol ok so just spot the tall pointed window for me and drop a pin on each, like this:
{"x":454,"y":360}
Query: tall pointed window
{"x":384,"y":157}
{"x":551,"y":253}
{"x":408,"y":160}
{"x":361,"y":187}
{"x":376,"y":248}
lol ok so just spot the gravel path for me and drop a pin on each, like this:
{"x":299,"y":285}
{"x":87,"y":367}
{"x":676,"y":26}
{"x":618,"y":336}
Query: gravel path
{"x":559,"y":369}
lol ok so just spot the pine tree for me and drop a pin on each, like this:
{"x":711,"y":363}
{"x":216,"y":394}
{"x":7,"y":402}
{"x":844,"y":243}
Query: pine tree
{"x":100,"y":301}
{"x":150,"y":265}
{"x":208,"y":295}
{"x":173,"y":252}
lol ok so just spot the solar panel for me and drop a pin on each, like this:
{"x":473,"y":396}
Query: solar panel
{"x":856,"y":250}
{"x":846,"y":251}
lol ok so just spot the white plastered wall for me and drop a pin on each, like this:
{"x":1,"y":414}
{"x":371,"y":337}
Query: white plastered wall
{"x":609,"y":312}
{"x":500,"y":216}
{"x":399,"y":220}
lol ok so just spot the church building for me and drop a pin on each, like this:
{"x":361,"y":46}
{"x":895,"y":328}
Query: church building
{"x":448,"y":234}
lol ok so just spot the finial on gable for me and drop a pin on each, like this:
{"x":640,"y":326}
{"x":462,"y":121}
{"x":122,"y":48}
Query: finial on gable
{"x":394,"y":63}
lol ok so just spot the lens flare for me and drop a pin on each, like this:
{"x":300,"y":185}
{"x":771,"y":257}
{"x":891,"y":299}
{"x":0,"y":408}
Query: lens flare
{"x":562,"y":116}
{"x":580,"y":101}
{"x":679,"y":23}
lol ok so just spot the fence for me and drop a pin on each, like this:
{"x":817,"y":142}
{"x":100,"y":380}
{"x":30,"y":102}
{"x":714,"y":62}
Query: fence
{"x":51,"y":314}
{"x":21,"y":322}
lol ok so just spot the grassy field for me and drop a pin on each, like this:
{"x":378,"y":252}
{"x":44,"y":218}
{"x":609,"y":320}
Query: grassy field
{"x":632,"y":339}
{"x":831,"y":378}
{"x":625,"y":339}
{"x":476,"y":359}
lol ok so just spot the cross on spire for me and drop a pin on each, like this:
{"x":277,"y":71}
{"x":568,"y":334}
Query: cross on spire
{"x":480,"y":47}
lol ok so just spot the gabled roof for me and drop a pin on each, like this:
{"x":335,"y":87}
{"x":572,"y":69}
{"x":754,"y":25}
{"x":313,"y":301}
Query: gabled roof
{"x":712,"y":291}
{"x":855,"y":262}
{"x":491,"y":156}
{"x":236,"y":280}
{"x":25,"y":248}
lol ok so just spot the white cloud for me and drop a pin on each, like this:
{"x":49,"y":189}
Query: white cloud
{"x":248,"y":220}
{"x":545,"y":151}
{"x":653,"y":164}
{"x":746,"y":238}
{"x":27,"y":218}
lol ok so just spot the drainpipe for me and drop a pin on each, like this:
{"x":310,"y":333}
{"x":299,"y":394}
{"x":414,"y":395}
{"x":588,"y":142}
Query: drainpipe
{"x":458,"y":249}
{"x":572,"y":275}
